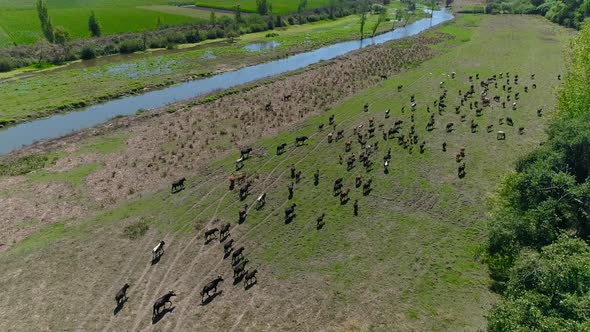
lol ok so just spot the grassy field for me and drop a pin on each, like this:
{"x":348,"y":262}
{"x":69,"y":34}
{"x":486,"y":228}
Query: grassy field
{"x":22,"y":26}
{"x":199,"y":13}
{"x":278,"y":7}
{"x":86,"y":82}
{"x":407,"y":262}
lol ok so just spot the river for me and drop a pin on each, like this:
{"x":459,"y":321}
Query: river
{"x":59,"y":125}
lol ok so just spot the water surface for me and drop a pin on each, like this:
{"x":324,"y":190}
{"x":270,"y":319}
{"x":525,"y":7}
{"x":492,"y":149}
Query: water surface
{"x":62,"y":124}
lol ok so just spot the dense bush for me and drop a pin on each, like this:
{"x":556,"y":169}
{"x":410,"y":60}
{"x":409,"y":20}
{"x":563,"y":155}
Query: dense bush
{"x":130,"y":46}
{"x":538,"y":250}
{"x":88,"y":53}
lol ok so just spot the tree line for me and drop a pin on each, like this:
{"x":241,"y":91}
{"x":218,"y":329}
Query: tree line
{"x":538,"y":251}
{"x":569,"y":13}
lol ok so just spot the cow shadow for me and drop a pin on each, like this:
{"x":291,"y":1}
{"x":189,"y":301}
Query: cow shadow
{"x":250,"y":285}
{"x":238,"y":279}
{"x":224,"y":237}
{"x":177,"y":190}
{"x":156,"y":260}
{"x":210,"y":298}
{"x":289,"y":219}
{"x":209,"y":240}
{"x":120,"y":306}
{"x":160,"y":315}
{"x":226,"y":255}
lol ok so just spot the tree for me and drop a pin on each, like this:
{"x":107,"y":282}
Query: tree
{"x":231,"y":33}
{"x":45,"y":20}
{"x":263,"y":7}
{"x":93,"y":25}
{"x":238,"y":14}
{"x":61,"y":37}
{"x":364,"y":9}
{"x":300,"y":9}
{"x":212,"y":18}
{"x":380,"y":19}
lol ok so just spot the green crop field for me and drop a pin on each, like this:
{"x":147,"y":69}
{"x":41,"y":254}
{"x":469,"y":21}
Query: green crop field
{"x":23,"y":25}
{"x":278,"y":7}
{"x":408,"y":262}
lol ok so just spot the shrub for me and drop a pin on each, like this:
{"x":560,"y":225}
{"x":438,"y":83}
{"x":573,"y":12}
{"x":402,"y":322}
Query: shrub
{"x":6,"y":65}
{"x":87,"y":53}
{"x":130,"y":46}
{"x":136,"y":230}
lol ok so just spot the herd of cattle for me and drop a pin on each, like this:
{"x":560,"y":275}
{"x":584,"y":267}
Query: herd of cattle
{"x":499,"y":89}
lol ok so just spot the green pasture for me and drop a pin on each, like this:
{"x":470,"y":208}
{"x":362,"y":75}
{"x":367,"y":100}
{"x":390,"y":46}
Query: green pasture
{"x":408,"y":262}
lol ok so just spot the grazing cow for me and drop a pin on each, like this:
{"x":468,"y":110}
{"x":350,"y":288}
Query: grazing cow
{"x":367,"y":187}
{"x":350,"y":163}
{"x":237,"y":255}
{"x":330,"y":135}
{"x":337,"y":185}
{"x":474,"y":126}
{"x":539,"y":112}
{"x":316,"y":177}
{"x":244,"y":191}
{"x":358,"y":180}
{"x":287,"y":97}
{"x":534,"y":86}
{"x":260,"y":201}
{"x":245,"y":153}
{"x":242,"y":214}
{"x":331,"y":120}
{"x":461,"y":171}
{"x":281,"y":148}
{"x":211,"y":286}
{"x":298,"y":176}
{"x":228,"y":246}
{"x":509,"y":121}
{"x":321,"y":126}
{"x":121,"y":295}
{"x":387,"y":113}
{"x":501,"y":136}
{"x":290,"y":211}
{"x":239,"y":163}
{"x":161,"y":302}
{"x":383,"y":77}
{"x":340,"y":135}
{"x":347,"y":146}
{"x":178,"y":185}
{"x":366,"y":107}
{"x":444,"y":146}
{"x":399,"y":88}
{"x":292,"y":169}
{"x":355,"y":207}
{"x":300,"y":140}
{"x":559,"y":77}
{"x":422,"y":147}
{"x":239,"y":268}
{"x":290,"y":188}
{"x":158,"y":251}
{"x":209,"y":234}
{"x":320,"y":221}
{"x":268,"y":106}
{"x":521,"y":130}
{"x":490,"y":128}
{"x":450,"y":127}
{"x":250,"y":278}
{"x":224,"y":231}
{"x":344,"y":195}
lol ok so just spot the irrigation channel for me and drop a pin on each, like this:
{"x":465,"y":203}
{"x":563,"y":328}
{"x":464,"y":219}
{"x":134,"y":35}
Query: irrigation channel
{"x":59,"y":125}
